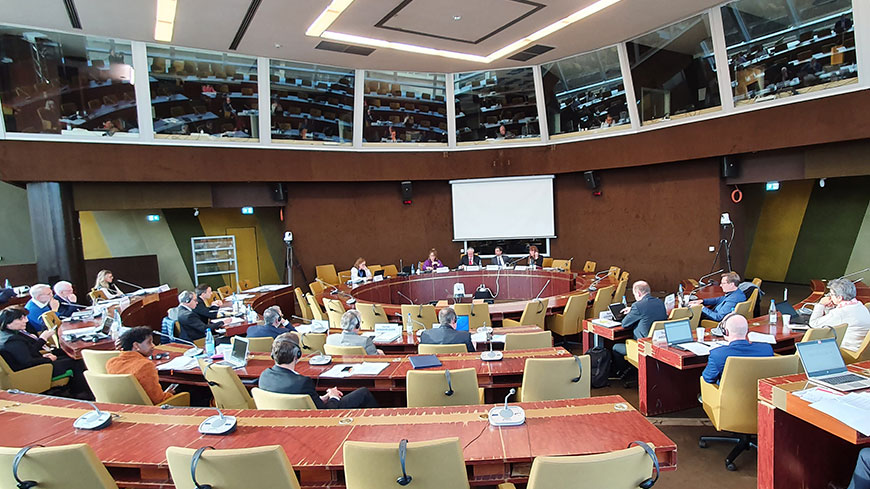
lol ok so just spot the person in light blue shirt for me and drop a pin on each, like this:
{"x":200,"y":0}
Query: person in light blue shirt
{"x":736,"y":328}
{"x":716,"y":308}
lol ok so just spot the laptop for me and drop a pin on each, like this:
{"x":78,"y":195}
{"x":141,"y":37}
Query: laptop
{"x":238,"y":355}
{"x":461,"y":323}
{"x":824,"y":365}
{"x":678,"y":332}
{"x":616,"y":310}
{"x":378,"y":272}
{"x":796,"y":317}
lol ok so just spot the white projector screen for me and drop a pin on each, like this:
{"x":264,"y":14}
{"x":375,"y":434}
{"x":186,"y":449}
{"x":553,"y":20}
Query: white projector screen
{"x":503,"y":208}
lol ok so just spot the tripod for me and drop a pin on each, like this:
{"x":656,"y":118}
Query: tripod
{"x":724,"y":244}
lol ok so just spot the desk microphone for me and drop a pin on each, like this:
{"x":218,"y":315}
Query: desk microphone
{"x":335,"y":291}
{"x":319,"y":358}
{"x":73,"y":304}
{"x":490,"y":356}
{"x":91,"y":420}
{"x":300,"y":318}
{"x":507,"y":415}
{"x":218,"y":424}
{"x":334,"y":288}
{"x":405,"y":297}
{"x":195,"y":351}
{"x":856,"y":273}
{"x":130,"y":284}
{"x":538,"y":297}
{"x":514,"y":262}
{"x":701,"y":280}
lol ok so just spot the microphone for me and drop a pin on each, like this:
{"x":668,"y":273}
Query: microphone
{"x":319,"y":358}
{"x":195,"y":351}
{"x":68,"y":303}
{"x":701,"y":280}
{"x":405,"y":297}
{"x":128,"y":283}
{"x":856,"y":273}
{"x":490,"y":356}
{"x":335,"y":291}
{"x":537,"y":297}
{"x":218,"y":424}
{"x":506,"y":411}
{"x":514,"y":262}
{"x":507,"y":415}
{"x":91,"y":420}
{"x":334,"y":288}
{"x":300,"y":318}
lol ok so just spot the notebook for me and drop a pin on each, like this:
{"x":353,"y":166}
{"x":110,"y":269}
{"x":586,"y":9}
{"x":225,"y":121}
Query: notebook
{"x":424,"y":361}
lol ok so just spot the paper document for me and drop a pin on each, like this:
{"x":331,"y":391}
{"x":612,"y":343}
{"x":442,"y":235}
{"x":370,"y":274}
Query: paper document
{"x":481,"y":338}
{"x":699,"y":349}
{"x":816,"y":394}
{"x":755,"y":337}
{"x":238,"y":297}
{"x":853,"y":410}
{"x":607,"y":323}
{"x":343,"y":370}
{"x":266,"y":288}
{"x":179,"y":363}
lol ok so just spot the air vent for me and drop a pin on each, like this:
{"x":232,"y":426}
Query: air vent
{"x":344,"y":48}
{"x":73,"y":14}
{"x":246,"y":22}
{"x":531,"y":52}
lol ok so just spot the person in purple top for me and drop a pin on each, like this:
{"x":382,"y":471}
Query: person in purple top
{"x":432,"y":262}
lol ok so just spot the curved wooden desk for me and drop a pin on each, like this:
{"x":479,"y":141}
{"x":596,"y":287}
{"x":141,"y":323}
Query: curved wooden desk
{"x":313,"y":439}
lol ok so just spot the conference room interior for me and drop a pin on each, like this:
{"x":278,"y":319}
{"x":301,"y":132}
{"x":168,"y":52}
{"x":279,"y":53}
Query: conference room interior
{"x":117,"y":150}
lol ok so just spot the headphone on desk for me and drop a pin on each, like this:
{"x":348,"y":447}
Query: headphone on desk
{"x":15,"y":462}
{"x":194,"y":461}
{"x":646,"y":484}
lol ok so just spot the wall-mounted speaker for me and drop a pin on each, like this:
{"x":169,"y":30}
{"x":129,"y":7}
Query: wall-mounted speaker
{"x":407,"y":192}
{"x":278,"y":192}
{"x":592,"y":179}
{"x":730,"y":166}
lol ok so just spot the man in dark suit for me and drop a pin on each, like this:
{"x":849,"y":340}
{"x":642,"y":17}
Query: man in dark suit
{"x":204,"y":296}
{"x":639,"y":318}
{"x":272,"y":327}
{"x":446,"y":333}
{"x":66,"y":298}
{"x":282,"y":378}
{"x":190,"y":323}
{"x":469,"y":258}
{"x":500,"y":259}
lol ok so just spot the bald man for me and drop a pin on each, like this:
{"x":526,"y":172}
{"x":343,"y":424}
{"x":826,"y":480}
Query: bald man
{"x":736,"y":329}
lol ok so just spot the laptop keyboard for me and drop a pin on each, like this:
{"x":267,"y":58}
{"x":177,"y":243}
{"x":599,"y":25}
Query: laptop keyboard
{"x":844,"y":379}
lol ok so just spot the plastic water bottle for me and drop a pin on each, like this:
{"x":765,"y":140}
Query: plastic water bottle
{"x":7,"y":285}
{"x":409,"y":327}
{"x":252,"y":315}
{"x":209,"y":343}
{"x":772,"y":312}
{"x":412,"y":269}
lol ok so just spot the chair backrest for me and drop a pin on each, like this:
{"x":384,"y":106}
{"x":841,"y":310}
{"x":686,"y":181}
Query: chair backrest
{"x":258,"y":345}
{"x":547,"y":262}
{"x":423,"y":316}
{"x":371,"y":314}
{"x":5,"y":373}
{"x":327,"y":273}
{"x":228,"y":390}
{"x":369,"y":465}
{"x":738,"y":389}
{"x":432,"y":349}
{"x":547,"y":379}
{"x":624,"y":277}
{"x":603,"y":298}
{"x":246,"y":284}
{"x":274,"y":400}
{"x":390,"y":271}
{"x":535,"y":312}
{"x":680,"y":313}
{"x":316,"y":287}
{"x":660,"y":326}
{"x":753,"y":299}
{"x":225,"y":291}
{"x":314,"y":307}
{"x":304,"y":308}
{"x":314,"y":342}
{"x":563,"y":264}
{"x":429,"y":388}
{"x":95,"y":360}
{"x":266,"y":466}
{"x":621,"y":469}
{"x":757,"y":282}
{"x":334,"y":309}
{"x":528,"y":341}
{"x":619,"y":293}
{"x":863,"y":352}
{"x":813,"y":334}
{"x":343,"y":350}
{"x":97,"y":295}
{"x":117,"y":388}
{"x":50,"y":319}
{"x":745,"y":308}
{"x":589,"y":266}
{"x":52,"y":467}
{"x":614,"y":271}
{"x":480,"y":316}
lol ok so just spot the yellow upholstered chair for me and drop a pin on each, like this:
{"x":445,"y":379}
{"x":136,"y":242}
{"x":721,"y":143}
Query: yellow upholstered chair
{"x":603,"y":298}
{"x":614,"y":272}
{"x":50,"y":319}
{"x":533,"y":314}
{"x":426,"y":388}
{"x":344,"y":276}
{"x":836,"y":332}
{"x":369,"y":465}
{"x":327,"y":274}
{"x":246,"y":284}
{"x":125,"y":389}
{"x":547,"y":262}
{"x":314,"y":342}
{"x":624,"y":276}
{"x":374,"y":268}
{"x":304,"y":308}
{"x":570,"y":320}
{"x":370,"y":315}
{"x":430,"y":349}
{"x":757,"y":282}
{"x":680,"y":313}
{"x":548,"y":379}
{"x":563,"y":264}
{"x":314,"y":307}
{"x":733,"y":404}
{"x":422,"y":316}
{"x":631,"y":344}
{"x":228,"y":390}
{"x":315,"y":287}
{"x":95,"y":360}
{"x":334,"y":309}
{"x":743,"y":308}
{"x":258,"y":345}
{"x":36,"y":379}
{"x":225,"y":291}
{"x":861,"y":355}
{"x":390,"y":271}
{"x":528,"y":341}
{"x":273,"y":400}
{"x":621,"y":469}
{"x":342,"y":350}
{"x":67,"y":466}
{"x":753,"y":299}
{"x":589,"y":266}
{"x":476,"y":320}
{"x":266,"y":466}
{"x":97,"y":295}
{"x":619,"y":293}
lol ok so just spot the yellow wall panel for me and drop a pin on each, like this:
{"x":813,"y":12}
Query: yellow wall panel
{"x":93,"y":244}
{"x":218,"y":222}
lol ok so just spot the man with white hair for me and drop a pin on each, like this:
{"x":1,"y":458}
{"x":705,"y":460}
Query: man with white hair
{"x":41,"y":301}
{"x":735,"y":328}
{"x":349,"y":336}
{"x":66,"y":298}
{"x":841,"y":307}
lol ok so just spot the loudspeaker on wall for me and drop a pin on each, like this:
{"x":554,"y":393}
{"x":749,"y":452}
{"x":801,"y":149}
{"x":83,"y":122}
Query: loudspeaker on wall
{"x":278,"y":192}
{"x":407,"y":192}
{"x":592,"y":179}
{"x":730,"y":166}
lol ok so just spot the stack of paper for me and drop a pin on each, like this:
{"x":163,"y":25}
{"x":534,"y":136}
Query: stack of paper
{"x":607,"y":323}
{"x":481,"y":338}
{"x":697,"y":348}
{"x":853,"y":410}
{"x":756,"y":337}
{"x":342,"y":370}
{"x":179,"y":363}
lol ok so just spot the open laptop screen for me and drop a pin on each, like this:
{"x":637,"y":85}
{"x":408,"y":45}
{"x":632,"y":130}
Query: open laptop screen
{"x":678,"y":332}
{"x":240,"y":350}
{"x":821,"y":357}
{"x":461,"y":323}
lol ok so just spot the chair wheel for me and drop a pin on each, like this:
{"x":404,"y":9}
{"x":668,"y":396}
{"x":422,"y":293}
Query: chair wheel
{"x":730,"y":466}
{"x":702,"y":444}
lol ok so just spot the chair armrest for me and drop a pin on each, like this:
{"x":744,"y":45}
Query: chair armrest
{"x":709,"y":324}
{"x":508,"y":323}
{"x":711,"y":395}
{"x":180,"y":399}
{"x":35,"y":379}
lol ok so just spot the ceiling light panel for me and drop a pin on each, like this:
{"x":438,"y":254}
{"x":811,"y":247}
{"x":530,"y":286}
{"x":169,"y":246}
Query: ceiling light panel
{"x":165,"y":20}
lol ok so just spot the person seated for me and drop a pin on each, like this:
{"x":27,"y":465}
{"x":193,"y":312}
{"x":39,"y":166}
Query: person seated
{"x":191,"y":325}
{"x":106,"y":283}
{"x":41,"y":301}
{"x":349,"y":336}
{"x":840,"y":306}
{"x":500,"y":259}
{"x":469,"y":259}
{"x":136,"y":348}
{"x":639,"y":318}
{"x":66,"y":299}
{"x":861,"y":475}
{"x":359,"y":272}
{"x":273,"y":325}
{"x":21,"y":349}
{"x":432,"y":262}
{"x":446,"y":334}
{"x":282,"y":378}
{"x":736,"y":328}
{"x":535,"y":258}
{"x":204,"y":294}
{"x":724,"y":305}
{"x":6,"y":293}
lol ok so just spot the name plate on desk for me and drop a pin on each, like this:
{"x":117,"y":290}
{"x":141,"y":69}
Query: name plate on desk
{"x":492,"y":268}
{"x":377,"y":278}
{"x":442,"y":270}
{"x":472,"y":268}
{"x":521,"y":268}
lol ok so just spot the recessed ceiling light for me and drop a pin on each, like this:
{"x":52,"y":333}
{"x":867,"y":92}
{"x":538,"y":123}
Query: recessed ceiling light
{"x":165,"y":20}
{"x":457,"y":17}
{"x":327,"y":17}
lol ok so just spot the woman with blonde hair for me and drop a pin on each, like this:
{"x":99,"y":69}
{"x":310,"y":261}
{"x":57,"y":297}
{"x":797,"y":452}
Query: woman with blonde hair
{"x":360,"y":272}
{"x":106,"y":283}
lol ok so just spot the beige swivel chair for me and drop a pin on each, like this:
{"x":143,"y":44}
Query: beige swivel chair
{"x":631,"y":354}
{"x":836,"y":332}
{"x":390,"y":271}
{"x":692,"y":313}
{"x":334,"y":309}
{"x":570,"y":321}
{"x":614,"y":272}
{"x":620,"y":469}
{"x":273,"y":400}
{"x":125,"y":389}
{"x":862,"y":354}
{"x":246,"y":284}
{"x":370,"y":465}
{"x":258,"y":345}
{"x":370,"y":315}
{"x":624,"y":277}
{"x":528,"y":341}
{"x":315,"y":287}
{"x":547,"y":262}
{"x":619,"y":293}
{"x":36,"y":379}
{"x":733,"y":404}
{"x":344,"y":276}
{"x":547,"y":379}
{"x":95,"y":360}
{"x":603,"y":299}
{"x":533,"y":314}
{"x":50,"y":319}
{"x":226,"y":387}
{"x":563,"y":264}
{"x":427,"y":388}
{"x":431,"y":349}
{"x":225,"y":291}
{"x":314,"y":342}
{"x":304,"y":308}
{"x":314,"y":307}
{"x":422,"y":316}
{"x":66,"y":466}
{"x":342,"y":350}
{"x":327,"y":274}
{"x":97,"y":295}
{"x":478,"y":314}
{"x":265,"y":467}
{"x":589,"y":266}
